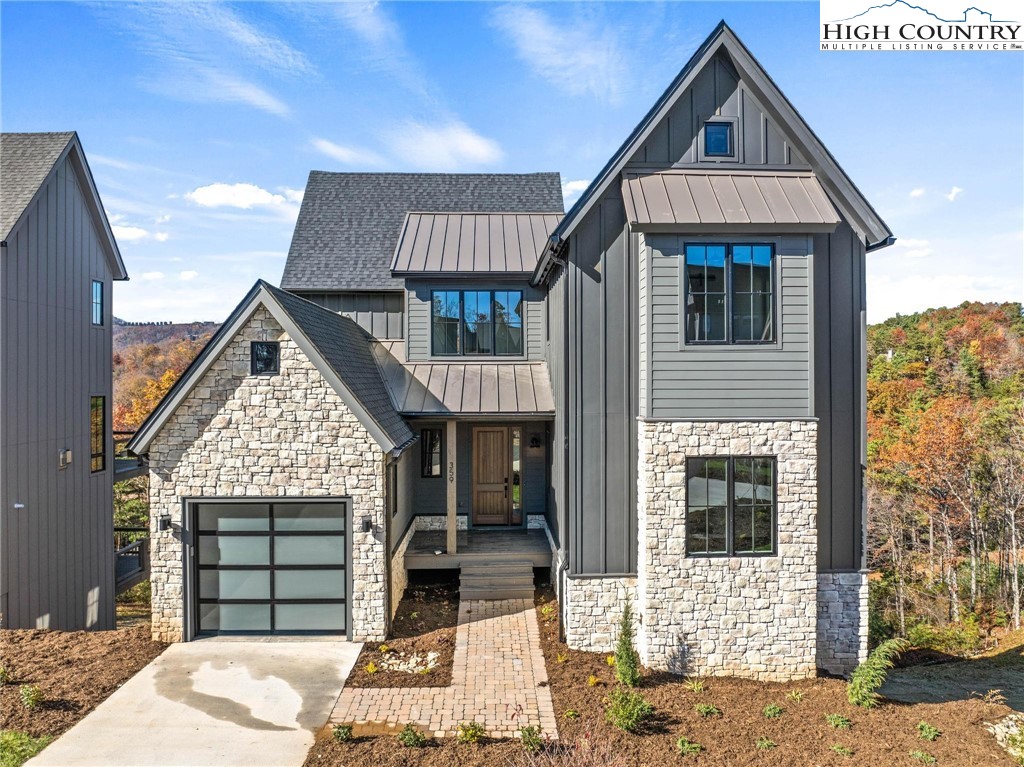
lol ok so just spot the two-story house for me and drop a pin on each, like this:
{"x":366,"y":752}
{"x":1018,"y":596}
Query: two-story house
{"x":58,"y":260}
{"x":657,"y":397}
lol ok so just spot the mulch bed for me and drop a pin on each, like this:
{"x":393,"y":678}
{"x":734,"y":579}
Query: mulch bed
{"x":425,"y":621}
{"x":75,"y":670}
{"x":881,"y":737}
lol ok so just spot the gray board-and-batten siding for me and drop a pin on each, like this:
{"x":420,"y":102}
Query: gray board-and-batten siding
{"x":379,"y":313}
{"x":56,"y":553}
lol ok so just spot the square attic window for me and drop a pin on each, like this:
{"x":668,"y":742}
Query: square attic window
{"x":718,"y":139}
{"x":266,"y":357}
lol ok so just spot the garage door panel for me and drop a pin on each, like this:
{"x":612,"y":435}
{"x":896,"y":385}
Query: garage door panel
{"x":234,"y":550}
{"x":309,"y":584}
{"x":234,"y":584}
{"x":309,"y":550}
{"x":235,"y":617}
{"x":219,"y":517}
{"x":309,"y":617}
{"x":309,"y":516}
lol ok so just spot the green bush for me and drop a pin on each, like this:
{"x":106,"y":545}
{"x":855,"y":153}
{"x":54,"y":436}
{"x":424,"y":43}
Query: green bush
{"x":470,"y":732}
{"x":962,"y":639}
{"x":532,"y":738}
{"x":342,"y":732}
{"x":16,"y":748}
{"x":773,"y":711}
{"x":706,"y":710}
{"x":870,"y":675}
{"x":838,"y":721}
{"x":923,"y":756}
{"x":410,"y":737}
{"x":627,"y":710}
{"x":765,"y":744}
{"x":31,"y":696}
{"x":927,"y":731}
{"x":687,"y":747}
{"x":841,"y":750}
{"x":627,"y":661}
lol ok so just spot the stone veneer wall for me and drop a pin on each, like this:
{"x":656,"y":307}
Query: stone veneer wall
{"x":752,"y":617}
{"x":287,"y":435}
{"x":842,"y":621}
{"x":593,"y":608}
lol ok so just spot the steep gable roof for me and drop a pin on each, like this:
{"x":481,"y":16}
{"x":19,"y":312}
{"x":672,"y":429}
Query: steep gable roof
{"x":336,"y":346}
{"x":847,"y":198}
{"x":349,"y":223}
{"x":27,"y":160}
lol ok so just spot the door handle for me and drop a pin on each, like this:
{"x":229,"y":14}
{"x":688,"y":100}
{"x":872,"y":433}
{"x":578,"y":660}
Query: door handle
{"x":506,"y":487}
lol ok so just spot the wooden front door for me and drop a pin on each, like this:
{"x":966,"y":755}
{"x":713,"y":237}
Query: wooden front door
{"x":491,"y":492}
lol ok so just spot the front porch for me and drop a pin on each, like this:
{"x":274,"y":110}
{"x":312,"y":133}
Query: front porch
{"x":427,"y":550}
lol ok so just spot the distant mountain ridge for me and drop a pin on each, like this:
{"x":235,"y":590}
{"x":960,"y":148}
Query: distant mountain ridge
{"x":131,"y":333}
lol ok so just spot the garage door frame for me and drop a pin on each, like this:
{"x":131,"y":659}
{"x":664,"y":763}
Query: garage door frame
{"x":190,"y":571}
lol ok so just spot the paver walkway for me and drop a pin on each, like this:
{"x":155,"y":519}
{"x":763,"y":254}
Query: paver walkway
{"x":498,"y":679}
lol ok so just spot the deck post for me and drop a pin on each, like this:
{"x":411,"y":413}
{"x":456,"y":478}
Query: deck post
{"x":452,"y":436}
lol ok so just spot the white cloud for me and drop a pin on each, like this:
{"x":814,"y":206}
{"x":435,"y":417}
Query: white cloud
{"x":954,"y":193}
{"x":911,"y":248}
{"x":162,"y":219}
{"x":150,"y":276}
{"x":345,"y":154}
{"x":577,"y":57}
{"x":246,"y":197}
{"x":129,"y":233}
{"x":447,"y":147}
{"x":188,"y":274}
{"x":918,"y":192}
{"x":571,"y":190}
{"x":161,"y":236}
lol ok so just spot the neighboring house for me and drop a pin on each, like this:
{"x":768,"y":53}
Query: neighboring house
{"x":659,"y":396}
{"x":58,"y":259}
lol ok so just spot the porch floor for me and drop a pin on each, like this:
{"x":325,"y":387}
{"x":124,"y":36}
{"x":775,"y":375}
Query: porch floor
{"x":477,"y":547}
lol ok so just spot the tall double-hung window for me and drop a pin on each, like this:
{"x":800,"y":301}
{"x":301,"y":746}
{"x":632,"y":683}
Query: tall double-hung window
{"x":477,"y":322}
{"x":729,"y":293}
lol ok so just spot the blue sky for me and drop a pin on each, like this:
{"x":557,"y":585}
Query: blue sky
{"x":202,"y":121}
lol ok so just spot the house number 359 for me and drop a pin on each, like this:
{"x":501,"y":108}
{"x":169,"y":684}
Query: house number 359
{"x":451,"y":471}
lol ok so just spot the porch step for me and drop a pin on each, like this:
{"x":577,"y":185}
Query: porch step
{"x":500,"y":580}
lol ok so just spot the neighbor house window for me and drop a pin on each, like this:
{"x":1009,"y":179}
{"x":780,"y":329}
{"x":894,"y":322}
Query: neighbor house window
{"x":718,"y":139}
{"x":266,"y":357}
{"x":392,"y":488}
{"x":97,"y":302}
{"x":730,"y":506}
{"x":477,"y":322}
{"x":729,"y":293}
{"x":98,"y":432}
{"x":431,"y":447}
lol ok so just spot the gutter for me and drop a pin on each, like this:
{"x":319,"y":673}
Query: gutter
{"x":890,"y":240}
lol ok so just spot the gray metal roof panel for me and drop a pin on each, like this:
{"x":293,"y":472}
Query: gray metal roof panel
{"x":26,"y":159}
{"x":349,"y":223}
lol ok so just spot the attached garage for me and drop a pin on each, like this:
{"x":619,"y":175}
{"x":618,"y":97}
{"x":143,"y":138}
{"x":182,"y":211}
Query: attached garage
{"x":269,"y":567}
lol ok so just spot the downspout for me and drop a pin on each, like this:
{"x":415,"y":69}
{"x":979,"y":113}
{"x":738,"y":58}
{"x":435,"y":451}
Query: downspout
{"x":563,"y":522}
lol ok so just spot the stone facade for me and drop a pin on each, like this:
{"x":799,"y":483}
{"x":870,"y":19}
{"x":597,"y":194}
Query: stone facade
{"x":287,"y":435}
{"x":592,"y":610}
{"x":842,"y":621}
{"x":752,"y":617}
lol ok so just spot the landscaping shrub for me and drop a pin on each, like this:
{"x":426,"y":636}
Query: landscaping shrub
{"x":923,"y":756}
{"x":961,"y":639}
{"x":838,"y":721}
{"x":16,"y":748}
{"x":532,"y":738}
{"x":627,"y":661}
{"x":773,"y":711}
{"x":31,"y":696}
{"x":627,"y":710}
{"x":342,"y":732}
{"x":571,"y":714}
{"x":687,"y":747}
{"x":410,"y":737}
{"x":795,"y":695}
{"x":765,"y":744}
{"x":870,"y":675}
{"x":841,"y":750}
{"x":470,"y":732}
{"x":593,"y":681}
{"x":927,"y":732}
{"x":5,"y":675}
{"x":706,"y":710}
{"x":581,"y":752}
{"x":694,"y":685}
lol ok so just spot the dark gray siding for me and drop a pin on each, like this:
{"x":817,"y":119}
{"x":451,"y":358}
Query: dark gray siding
{"x":840,"y":371}
{"x":418,"y":338}
{"x":717,"y":92}
{"x":56,"y":554}
{"x":380,"y":313}
{"x":556,"y":346}
{"x":408,"y":476}
{"x":728,"y":381}
{"x":601,"y":402}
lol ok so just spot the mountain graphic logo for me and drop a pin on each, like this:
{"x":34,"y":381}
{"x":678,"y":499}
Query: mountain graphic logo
{"x":906,"y":6}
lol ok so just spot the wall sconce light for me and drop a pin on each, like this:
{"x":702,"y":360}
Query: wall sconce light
{"x":534,"y":440}
{"x":367,"y":525}
{"x":164,"y":523}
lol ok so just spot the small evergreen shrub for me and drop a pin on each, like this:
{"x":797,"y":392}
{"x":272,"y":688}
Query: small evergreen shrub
{"x":342,"y":732}
{"x":532,"y":738}
{"x":927,"y":732}
{"x":870,"y":675}
{"x":627,"y":661}
{"x":470,"y":732}
{"x":841,"y":750}
{"x":838,"y":721}
{"x":627,"y":710}
{"x":687,"y":747}
{"x":923,"y":756}
{"x":764,"y":744}
{"x":31,"y":696}
{"x":706,"y":710}
{"x":773,"y":711}
{"x":410,"y":737}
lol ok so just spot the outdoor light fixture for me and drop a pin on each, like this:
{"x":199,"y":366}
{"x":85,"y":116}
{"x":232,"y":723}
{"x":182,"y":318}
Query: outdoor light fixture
{"x":165,"y":523}
{"x":367,"y":525}
{"x":534,"y":440}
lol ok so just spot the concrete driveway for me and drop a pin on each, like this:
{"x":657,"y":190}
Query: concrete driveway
{"x":213,"y":702}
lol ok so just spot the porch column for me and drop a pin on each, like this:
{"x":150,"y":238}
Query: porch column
{"x":451,"y":432}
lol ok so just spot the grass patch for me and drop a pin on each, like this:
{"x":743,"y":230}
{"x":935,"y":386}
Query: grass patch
{"x":16,"y":748}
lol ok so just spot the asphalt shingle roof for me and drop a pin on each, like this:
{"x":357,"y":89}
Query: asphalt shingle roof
{"x":346,"y":347}
{"x":349,"y":223}
{"x":26,"y":159}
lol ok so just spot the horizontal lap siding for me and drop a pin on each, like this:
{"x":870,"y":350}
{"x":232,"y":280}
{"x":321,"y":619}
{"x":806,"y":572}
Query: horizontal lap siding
{"x":730,"y":381}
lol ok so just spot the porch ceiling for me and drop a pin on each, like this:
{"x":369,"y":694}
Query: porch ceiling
{"x":464,"y":388}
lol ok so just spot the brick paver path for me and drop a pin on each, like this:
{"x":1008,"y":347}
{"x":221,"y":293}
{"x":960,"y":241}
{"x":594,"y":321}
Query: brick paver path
{"x":498,"y":679}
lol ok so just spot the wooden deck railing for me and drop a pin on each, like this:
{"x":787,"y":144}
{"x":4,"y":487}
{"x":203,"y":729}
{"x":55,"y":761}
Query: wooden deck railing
{"x":131,"y":557}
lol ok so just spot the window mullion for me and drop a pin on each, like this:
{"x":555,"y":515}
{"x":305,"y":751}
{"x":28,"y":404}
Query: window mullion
{"x":729,"y":495}
{"x":730,"y":337}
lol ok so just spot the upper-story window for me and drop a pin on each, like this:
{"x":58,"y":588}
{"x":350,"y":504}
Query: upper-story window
{"x":718,"y":139}
{"x":729,"y":293}
{"x":477,"y":322}
{"x":97,"y":302}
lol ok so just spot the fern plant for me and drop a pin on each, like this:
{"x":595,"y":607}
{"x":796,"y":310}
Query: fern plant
{"x":870,"y":675}
{"x":627,"y":662}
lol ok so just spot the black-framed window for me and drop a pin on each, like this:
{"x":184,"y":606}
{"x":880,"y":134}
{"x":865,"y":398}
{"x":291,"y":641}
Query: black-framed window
{"x":729,"y":293}
{"x":265,"y":357}
{"x":97,"y":302}
{"x":477,"y":322}
{"x":430,"y":447}
{"x":730,"y":506}
{"x":719,"y":139}
{"x":98,"y":433}
{"x":392,"y":488}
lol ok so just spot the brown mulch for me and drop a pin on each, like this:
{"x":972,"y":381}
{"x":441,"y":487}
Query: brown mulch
{"x":880,"y":737}
{"x":75,"y":670}
{"x":425,"y":621}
